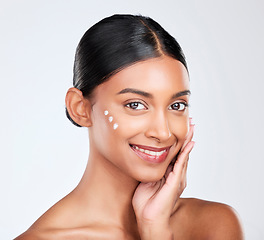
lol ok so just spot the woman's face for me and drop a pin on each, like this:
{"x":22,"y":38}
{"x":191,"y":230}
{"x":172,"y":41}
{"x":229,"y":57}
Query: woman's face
{"x":140,"y":118}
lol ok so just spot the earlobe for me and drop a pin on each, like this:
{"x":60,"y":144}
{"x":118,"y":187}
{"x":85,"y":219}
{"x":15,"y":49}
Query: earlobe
{"x":79,"y":108}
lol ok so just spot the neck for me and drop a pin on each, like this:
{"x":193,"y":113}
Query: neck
{"x":106,"y":194}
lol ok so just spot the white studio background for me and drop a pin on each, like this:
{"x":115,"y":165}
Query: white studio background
{"x":43,"y":155}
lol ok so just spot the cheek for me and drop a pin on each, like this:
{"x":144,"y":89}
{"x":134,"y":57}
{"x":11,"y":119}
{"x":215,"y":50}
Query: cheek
{"x":180,"y":128}
{"x":131,"y":126}
{"x":110,"y":120}
{"x":114,"y":127}
{"x":118,"y":123}
{"x":104,"y":132}
{"x":125,"y":127}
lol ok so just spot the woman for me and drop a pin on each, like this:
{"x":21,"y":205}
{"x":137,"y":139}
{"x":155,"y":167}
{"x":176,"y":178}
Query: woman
{"x":131,"y":90}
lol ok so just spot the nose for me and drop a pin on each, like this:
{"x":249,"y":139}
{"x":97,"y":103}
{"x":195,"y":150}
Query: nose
{"x":158,"y":127}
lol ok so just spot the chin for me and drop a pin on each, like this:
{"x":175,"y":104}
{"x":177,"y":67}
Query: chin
{"x":151,"y":177}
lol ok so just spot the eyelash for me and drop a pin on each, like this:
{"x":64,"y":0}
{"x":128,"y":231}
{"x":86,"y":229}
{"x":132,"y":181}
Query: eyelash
{"x":130,"y":103}
{"x":185,"y":105}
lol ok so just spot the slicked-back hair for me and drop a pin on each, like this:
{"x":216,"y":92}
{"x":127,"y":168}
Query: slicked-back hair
{"x":116,"y":42}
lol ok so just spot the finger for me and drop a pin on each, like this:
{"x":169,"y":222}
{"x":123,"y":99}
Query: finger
{"x":189,"y":135}
{"x":171,"y":165}
{"x":175,"y":176}
{"x":187,"y":140}
{"x":181,"y":171}
{"x":183,"y":156}
{"x":174,"y":159}
{"x":184,"y":172}
{"x":180,"y":168}
{"x":184,"y":175}
{"x":173,"y":187}
{"x":169,"y":169}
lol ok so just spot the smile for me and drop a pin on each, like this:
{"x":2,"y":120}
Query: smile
{"x":150,"y":154}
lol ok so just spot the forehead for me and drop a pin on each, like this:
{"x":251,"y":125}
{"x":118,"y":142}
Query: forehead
{"x":153,"y":75}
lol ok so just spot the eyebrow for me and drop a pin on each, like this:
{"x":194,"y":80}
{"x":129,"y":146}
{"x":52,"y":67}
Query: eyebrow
{"x":136,"y":91}
{"x":181,"y":93}
{"x":149,"y":95}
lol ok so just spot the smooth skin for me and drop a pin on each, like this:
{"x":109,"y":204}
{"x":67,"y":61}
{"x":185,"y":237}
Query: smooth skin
{"x":122,"y":196}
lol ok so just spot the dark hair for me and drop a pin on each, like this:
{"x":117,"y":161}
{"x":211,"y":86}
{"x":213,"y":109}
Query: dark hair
{"x":115,"y":43}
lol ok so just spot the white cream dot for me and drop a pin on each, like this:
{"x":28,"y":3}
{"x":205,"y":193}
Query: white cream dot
{"x":115,"y":126}
{"x":105,"y":112}
{"x":110,"y":119}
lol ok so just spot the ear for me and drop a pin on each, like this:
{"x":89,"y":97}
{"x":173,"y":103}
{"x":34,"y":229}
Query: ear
{"x":79,"y":108}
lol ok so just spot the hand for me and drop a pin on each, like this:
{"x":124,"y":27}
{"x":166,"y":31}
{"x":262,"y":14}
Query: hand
{"x":154,"y":202}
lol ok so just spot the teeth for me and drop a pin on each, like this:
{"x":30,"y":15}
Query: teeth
{"x":153,"y":153}
{"x":150,"y":152}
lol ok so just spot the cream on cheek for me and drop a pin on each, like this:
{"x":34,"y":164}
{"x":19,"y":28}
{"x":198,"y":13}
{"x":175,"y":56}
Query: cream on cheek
{"x":134,"y":126}
{"x":114,"y":124}
{"x":129,"y":126}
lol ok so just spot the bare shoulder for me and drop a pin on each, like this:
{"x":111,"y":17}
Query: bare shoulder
{"x":38,"y":234}
{"x":81,"y":233}
{"x":52,"y":224}
{"x":208,"y":220}
{"x":26,"y":236}
{"x":65,"y":221}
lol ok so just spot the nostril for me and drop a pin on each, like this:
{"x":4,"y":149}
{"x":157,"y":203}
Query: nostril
{"x":158,"y":127}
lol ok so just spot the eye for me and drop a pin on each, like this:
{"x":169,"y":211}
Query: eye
{"x":178,"y":106}
{"x":136,"y":105}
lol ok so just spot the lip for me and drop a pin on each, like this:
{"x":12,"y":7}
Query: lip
{"x":150,"y":158}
